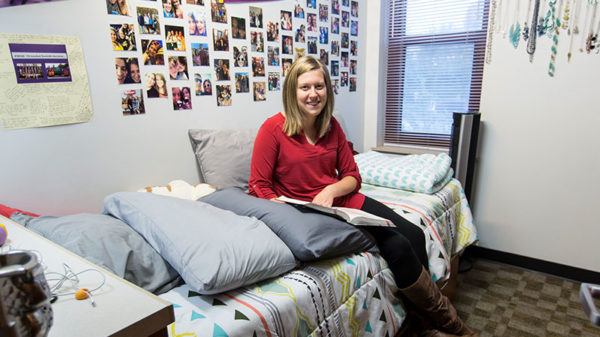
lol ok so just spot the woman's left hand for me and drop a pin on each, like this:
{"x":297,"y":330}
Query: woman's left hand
{"x":325,"y":197}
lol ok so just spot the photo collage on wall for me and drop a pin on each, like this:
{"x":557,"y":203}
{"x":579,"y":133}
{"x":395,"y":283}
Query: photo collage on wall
{"x":181,"y":49}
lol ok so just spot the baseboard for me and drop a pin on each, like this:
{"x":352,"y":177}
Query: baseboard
{"x":557,"y":269}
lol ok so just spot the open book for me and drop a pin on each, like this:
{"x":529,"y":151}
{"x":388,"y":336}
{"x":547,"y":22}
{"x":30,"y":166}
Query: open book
{"x":350,"y":215}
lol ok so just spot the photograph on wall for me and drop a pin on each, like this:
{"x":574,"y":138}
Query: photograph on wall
{"x":39,"y":63}
{"x":273,"y":31}
{"x":353,"y":67}
{"x":354,"y":9}
{"x":196,"y":24}
{"x":132,"y":102}
{"x":148,"y":20}
{"x":182,"y":98}
{"x":301,"y":34}
{"x":335,"y":25}
{"x":218,"y":11}
{"x":256,"y":17}
{"x":286,"y":20}
{"x":223,"y":95}
{"x":335,"y":68}
{"x":344,"y":79}
{"x":344,"y":59}
{"x":200,"y":55}
{"x":324,"y":56}
{"x":352,"y":83}
{"x":222,"y":69}
{"x":354,"y":28}
{"x":156,"y":85}
{"x":257,"y":42}
{"x":311,"y":22}
{"x":122,"y":37}
{"x":335,"y":84}
{"x":346,"y":3}
{"x":242,"y":82}
{"x":273,"y":56}
{"x":345,"y":40}
{"x":274,"y":81}
{"x":286,"y":64}
{"x":335,"y":7}
{"x":258,"y":88}
{"x":287,"y":45}
{"x":127,"y":70}
{"x":311,"y":4}
{"x":345,"y":19}
{"x":323,"y":13}
{"x":203,"y":84}
{"x":354,"y":47}
{"x":174,"y":38}
{"x":298,"y":11}
{"x":178,"y":68}
{"x":335,"y":47}
{"x":258,"y":66}
{"x":299,"y":52}
{"x":195,"y":2}
{"x":117,"y":7}
{"x":323,"y":35}
{"x":238,"y":28}
{"x":240,"y":56}
{"x":153,"y":54}
{"x":220,"y":39}
{"x":311,"y":45}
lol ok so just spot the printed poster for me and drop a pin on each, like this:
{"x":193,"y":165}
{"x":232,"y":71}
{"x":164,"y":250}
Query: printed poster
{"x":43,"y":81}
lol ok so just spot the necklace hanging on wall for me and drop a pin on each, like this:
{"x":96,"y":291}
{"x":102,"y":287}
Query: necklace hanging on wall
{"x":488,"y":49}
{"x":525,"y":25}
{"x":533,"y":29}
{"x":573,"y":27}
{"x":590,"y":42}
{"x":556,"y":30}
{"x":515,"y":29}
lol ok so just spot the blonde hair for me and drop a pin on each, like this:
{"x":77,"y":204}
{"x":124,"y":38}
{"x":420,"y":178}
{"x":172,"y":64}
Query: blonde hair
{"x":293,"y":116}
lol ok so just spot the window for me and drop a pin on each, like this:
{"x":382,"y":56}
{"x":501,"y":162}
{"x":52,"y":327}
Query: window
{"x":435,"y":59}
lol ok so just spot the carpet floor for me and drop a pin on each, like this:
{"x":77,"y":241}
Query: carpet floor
{"x":500,"y":300}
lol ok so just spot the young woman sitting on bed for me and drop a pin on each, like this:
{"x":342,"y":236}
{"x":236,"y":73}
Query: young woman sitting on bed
{"x":302,"y":153}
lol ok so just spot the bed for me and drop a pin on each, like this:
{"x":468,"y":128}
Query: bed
{"x":235,"y":265}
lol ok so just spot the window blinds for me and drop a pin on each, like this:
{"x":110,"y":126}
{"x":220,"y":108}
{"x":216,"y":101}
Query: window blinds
{"x":435,"y":57}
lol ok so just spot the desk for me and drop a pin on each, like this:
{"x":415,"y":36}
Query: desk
{"x":122,"y":308}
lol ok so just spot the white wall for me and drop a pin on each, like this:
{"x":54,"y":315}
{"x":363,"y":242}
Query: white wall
{"x":538,"y":174}
{"x":70,"y":168}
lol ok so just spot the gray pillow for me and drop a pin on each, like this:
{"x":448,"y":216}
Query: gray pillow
{"x":223,"y":156}
{"x":310,"y":236}
{"x":109,"y":243}
{"x":214,"y":250}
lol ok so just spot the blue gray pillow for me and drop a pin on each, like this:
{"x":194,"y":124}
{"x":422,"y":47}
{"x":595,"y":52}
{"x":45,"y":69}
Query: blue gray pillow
{"x":213,"y":249}
{"x":109,"y":243}
{"x":309,"y":235}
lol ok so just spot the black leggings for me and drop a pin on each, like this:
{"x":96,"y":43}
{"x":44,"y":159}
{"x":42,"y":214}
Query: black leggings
{"x":403,"y":246}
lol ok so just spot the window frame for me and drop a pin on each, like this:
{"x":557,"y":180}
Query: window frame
{"x":397,"y":42}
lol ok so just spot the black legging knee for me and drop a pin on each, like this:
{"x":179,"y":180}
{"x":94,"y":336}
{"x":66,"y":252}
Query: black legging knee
{"x":403,"y":246}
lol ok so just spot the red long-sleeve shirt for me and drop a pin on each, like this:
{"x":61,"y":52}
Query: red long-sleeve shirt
{"x":291,"y":166}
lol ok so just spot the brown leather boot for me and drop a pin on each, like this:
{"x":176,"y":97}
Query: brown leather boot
{"x":427,"y":298}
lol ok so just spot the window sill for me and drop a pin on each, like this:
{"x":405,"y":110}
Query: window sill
{"x":410,"y":149}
